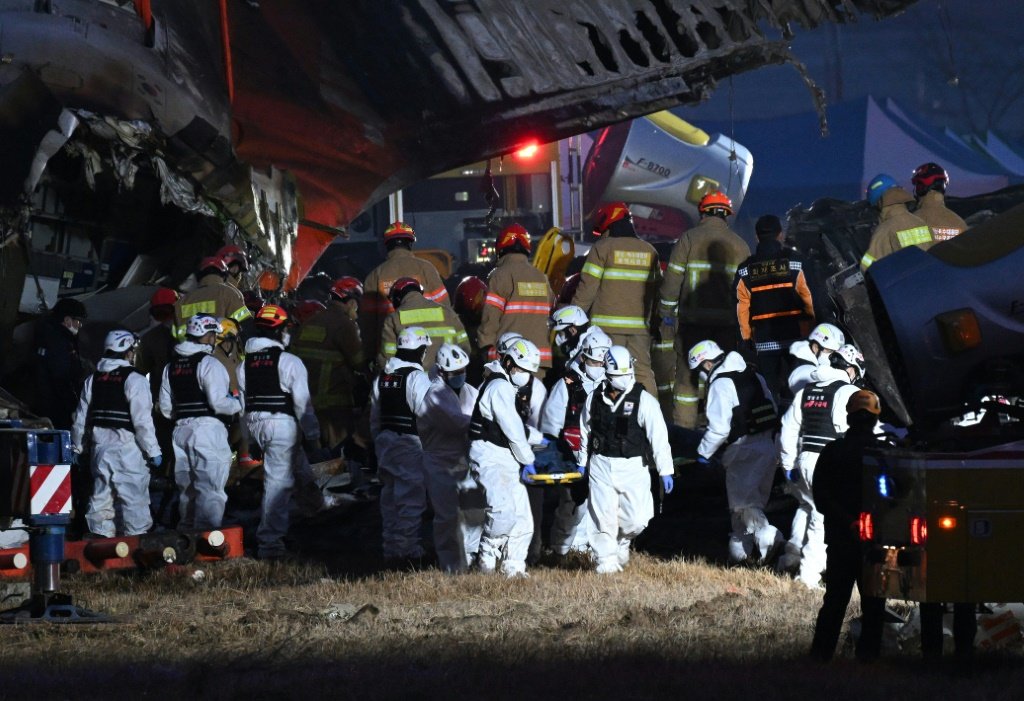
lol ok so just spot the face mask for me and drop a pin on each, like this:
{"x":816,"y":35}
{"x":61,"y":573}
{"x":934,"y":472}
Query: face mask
{"x":620,"y":382}
{"x":74,"y":329}
{"x":561,"y":339}
{"x":456,"y":382}
{"x":286,"y":338}
{"x":595,"y":373}
{"x":703,"y":375}
{"x":520,"y":379}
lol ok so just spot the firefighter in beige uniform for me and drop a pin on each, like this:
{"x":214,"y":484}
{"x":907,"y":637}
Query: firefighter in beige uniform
{"x":413,"y":309}
{"x":930,"y":181}
{"x":519,"y":298}
{"x":619,"y":284}
{"x":400,"y":262}
{"x":214,"y":296}
{"x":698,"y":300}
{"x":897,"y":227}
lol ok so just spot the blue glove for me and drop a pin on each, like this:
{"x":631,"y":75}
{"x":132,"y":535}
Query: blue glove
{"x":544,"y":443}
{"x":701,"y":460}
{"x":668,"y":321}
{"x":582,"y":469}
{"x":667,"y":483}
{"x":527,"y":471}
{"x":155,"y":462}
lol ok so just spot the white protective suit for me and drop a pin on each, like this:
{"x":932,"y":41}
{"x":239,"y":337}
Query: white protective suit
{"x":806,"y":544}
{"x":403,"y":497}
{"x":620,"y":503}
{"x":801,"y":375}
{"x":443,"y":429}
{"x":202,"y":454}
{"x":572,"y":527}
{"x":119,"y":458}
{"x":281,"y":437}
{"x":538,"y":396}
{"x":508,"y":526}
{"x":749,"y":464}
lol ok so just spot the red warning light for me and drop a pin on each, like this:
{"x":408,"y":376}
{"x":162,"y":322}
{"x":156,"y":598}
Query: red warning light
{"x":528,"y":151}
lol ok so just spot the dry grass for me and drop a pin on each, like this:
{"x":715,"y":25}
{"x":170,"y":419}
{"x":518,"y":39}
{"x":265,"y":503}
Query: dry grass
{"x":680,"y":628}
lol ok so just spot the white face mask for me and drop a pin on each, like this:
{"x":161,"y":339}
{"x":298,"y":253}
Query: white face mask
{"x":286,"y":338}
{"x":519,"y":379}
{"x":620,"y":382}
{"x":595,"y":373}
{"x":560,"y":338}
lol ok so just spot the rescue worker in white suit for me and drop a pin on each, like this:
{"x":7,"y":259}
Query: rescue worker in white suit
{"x":572,"y":328}
{"x":742,"y":420}
{"x":443,"y":429}
{"x":196,"y":394}
{"x":500,"y":456}
{"x":621,"y":430}
{"x":809,"y":355}
{"x":398,"y":401}
{"x":115,"y":414}
{"x":560,"y":424}
{"x":280,"y":417}
{"x":816,"y":418}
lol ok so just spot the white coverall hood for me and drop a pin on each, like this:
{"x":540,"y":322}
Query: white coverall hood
{"x":108,"y":364}
{"x":733,"y":362}
{"x":802,"y":350}
{"x":186,"y":348}
{"x":827,"y":373}
{"x":392,"y":365}
{"x":254,"y":345}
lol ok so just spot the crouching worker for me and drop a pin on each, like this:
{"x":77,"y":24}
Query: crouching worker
{"x":443,"y":429}
{"x":280,"y":418}
{"x":620,"y":426}
{"x":116,"y":414}
{"x":195,"y":394}
{"x":398,"y":399}
{"x":500,"y":457}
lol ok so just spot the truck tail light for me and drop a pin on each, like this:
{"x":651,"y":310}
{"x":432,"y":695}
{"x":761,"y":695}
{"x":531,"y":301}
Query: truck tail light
{"x":867,"y":526}
{"x":918,"y":530}
{"x":947,"y":523}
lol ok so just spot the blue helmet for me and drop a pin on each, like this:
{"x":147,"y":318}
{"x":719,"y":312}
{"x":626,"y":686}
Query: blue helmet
{"x":877,"y":187}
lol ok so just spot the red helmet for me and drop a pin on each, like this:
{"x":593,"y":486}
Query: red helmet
{"x":399,"y":231}
{"x":305,"y":309}
{"x":470,"y":295}
{"x":346,"y":288}
{"x":716,"y":200}
{"x":568,"y":290}
{"x":929,"y":176}
{"x":253,"y":300}
{"x":271,"y":316}
{"x":514,"y":238}
{"x":233,"y":255}
{"x":213,"y":264}
{"x":401,"y":287}
{"x":164,"y":296}
{"x":609,"y":214}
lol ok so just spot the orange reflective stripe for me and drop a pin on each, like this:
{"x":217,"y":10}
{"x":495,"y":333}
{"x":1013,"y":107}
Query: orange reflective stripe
{"x":779,"y":286}
{"x":492,"y":354}
{"x":542,"y":308}
{"x":378,"y":306}
{"x":774,"y":315}
{"x":495,"y":301}
{"x":545,"y":353}
{"x":437,"y":295}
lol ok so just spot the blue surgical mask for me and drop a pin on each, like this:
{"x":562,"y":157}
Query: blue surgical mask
{"x":456,"y":382}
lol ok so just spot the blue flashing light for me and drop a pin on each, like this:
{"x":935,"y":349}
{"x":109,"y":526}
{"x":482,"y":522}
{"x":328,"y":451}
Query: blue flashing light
{"x":884,"y":486}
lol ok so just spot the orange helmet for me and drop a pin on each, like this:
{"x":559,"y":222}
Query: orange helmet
{"x":399,"y":231}
{"x":346,"y":288}
{"x":515,"y":238}
{"x":271,"y":316}
{"x":401,"y":287}
{"x":163,"y":297}
{"x":609,"y":214}
{"x":864,"y":400}
{"x":716,"y":200}
{"x":233,"y":255}
{"x":213,"y":264}
{"x":470,"y":295}
{"x":305,"y":309}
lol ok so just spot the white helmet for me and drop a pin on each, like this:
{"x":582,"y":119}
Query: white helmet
{"x":847,"y":356}
{"x":524,"y":354}
{"x":413,"y":337}
{"x":505,"y":341}
{"x":705,"y":350}
{"x":565,"y":317}
{"x":451,"y":358}
{"x":596,"y":344}
{"x":827,"y":336}
{"x":202,"y":324}
{"x":119,"y":341}
{"x":618,"y":361}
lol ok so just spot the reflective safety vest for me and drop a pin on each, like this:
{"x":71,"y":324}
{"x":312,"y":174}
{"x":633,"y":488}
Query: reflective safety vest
{"x":109,"y":406}
{"x":774,"y":310}
{"x":755,"y":412}
{"x":573,"y":408}
{"x":187,"y":398}
{"x":263,"y":383}
{"x":816,"y":427}
{"x":617,"y":433}
{"x":395,"y":413}
{"x":482,"y":429}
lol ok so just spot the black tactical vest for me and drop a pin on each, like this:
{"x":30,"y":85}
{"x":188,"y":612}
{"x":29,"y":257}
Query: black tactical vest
{"x":617,"y":433}
{"x":523,"y":396}
{"x":481,"y":429}
{"x":109,"y":406}
{"x":755,"y":412}
{"x":395,"y":413}
{"x":187,"y":397}
{"x":817,"y":429}
{"x":263,"y":383}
